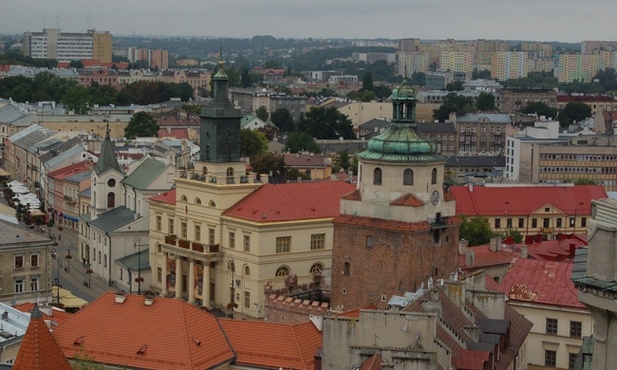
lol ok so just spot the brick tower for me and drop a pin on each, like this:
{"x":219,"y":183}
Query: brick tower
{"x":399,"y":228}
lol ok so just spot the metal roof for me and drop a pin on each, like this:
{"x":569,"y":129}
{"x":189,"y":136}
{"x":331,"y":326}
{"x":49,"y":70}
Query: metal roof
{"x":136,"y":261}
{"x":143,"y":175}
{"x":114,"y":219}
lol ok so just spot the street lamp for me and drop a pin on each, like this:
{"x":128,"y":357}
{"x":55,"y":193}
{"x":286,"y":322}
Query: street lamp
{"x":59,"y":262}
{"x":68,"y":257}
{"x":136,"y":244}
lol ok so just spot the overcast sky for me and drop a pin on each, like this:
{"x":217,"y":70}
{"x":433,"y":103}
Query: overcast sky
{"x":540,"y":20}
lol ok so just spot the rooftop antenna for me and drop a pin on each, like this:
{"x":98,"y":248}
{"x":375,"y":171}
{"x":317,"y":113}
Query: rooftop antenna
{"x":57,"y":22}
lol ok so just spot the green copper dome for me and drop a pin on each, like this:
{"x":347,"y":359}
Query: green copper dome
{"x":401,"y":142}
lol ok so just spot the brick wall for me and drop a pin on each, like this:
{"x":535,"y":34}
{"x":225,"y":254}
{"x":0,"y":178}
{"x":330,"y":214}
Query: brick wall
{"x":291,"y":310}
{"x":401,"y":257}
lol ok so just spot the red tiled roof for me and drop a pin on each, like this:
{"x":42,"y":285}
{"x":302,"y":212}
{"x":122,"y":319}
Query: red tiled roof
{"x":169,"y":334}
{"x":555,"y":250}
{"x":57,"y":315}
{"x":38,"y":350}
{"x":273,"y":345}
{"x":373,"y":363}
{"x":354,"y":195}
{"x":408,"y":200}
{"x":69,"y":170}
{"x":523,"y":200}
{"x":354,"y":314}
{"x":485,"y":257}
{"x":168,"y":197}
{"x":178,"y":133}
{"x":292,"y":201}
{"x":542,"y":282}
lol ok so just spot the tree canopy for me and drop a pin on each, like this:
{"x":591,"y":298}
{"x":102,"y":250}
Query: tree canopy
{"x":266,"y":162}
{"x":77,"y":99}
{"x":486,"y":102}
{"x":540,"y":108}
{"x":574,"y":112}
{"x":476,"y":230}
{"x":301,"y":141}
{"x":262,"y":113}
{"x":142,"y":124}
{"x":326,"y":123}
{"x":252,"y":143}
{"x":453,"y":103}
{"x":283,"y":120}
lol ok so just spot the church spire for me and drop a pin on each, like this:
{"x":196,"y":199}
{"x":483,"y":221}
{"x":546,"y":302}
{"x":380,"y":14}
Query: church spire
{"x":107,"y":157}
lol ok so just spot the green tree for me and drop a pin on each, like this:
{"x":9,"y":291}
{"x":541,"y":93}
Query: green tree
{"x":77,"y":99}
{"x":453,"y":103}
{"x":483,"y":74}
{"x":514,"y":233}
{"x":245,"y":77}
{"x":540,"y":108}
{"x":76,"y":64}
{"x":262,"y":113}
{"x":574,"y":112}
{"x":283,"y":120}
{"x":301,"y":141}
{"x":454,"y":86}
{"x":584,"y":181}
{"x":362,"y":95}
{"x":367,"y":81}
{"x":486,"y":102}
{"x":192,"y":110}
{"x":342,"y":161}
{"x":142,"y":124}
{"x":476,"y":230}
{"x":267,"y":162}
{"x":326,"y":123}
{"x":272,"y":64}
{"x":252,"y":143}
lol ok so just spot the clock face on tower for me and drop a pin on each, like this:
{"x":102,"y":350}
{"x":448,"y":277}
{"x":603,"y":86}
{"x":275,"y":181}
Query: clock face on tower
{"x":434,"y":197}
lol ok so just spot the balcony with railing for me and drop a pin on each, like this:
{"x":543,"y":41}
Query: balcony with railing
{"x":194,"y":175}
{"x":187,"y":247}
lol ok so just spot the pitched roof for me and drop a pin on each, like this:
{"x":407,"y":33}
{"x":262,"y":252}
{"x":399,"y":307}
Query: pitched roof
{"x":57,"y":315}
{"x":542,"y":282}
{"x":292,"y":201}
{"x":305,"y":160}
{"x":523,"y":200}
{"x":144,"y":174}
{"x":372,"y":363}
{"x":168,"y":197}
{"x":485,"y":257}
{"x":114,"y":219}
{"x":475,"y":117}
{"x":38,"y":349}
{"x":273,"y":345}
{"x":107,"y":158}
{"x":169,"y":334}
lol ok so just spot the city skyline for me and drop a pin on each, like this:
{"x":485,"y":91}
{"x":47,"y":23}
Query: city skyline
{"x":362,"y":19}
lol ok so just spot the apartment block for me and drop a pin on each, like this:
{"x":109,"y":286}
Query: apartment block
{"x":507,"y":64}
{"x":594,"y":47}
{"x":53,"y":44}
{"x":515,"y":99}
{"x":456,"y":61}
{"x":408,"y":62}
{"x":577,"y":67}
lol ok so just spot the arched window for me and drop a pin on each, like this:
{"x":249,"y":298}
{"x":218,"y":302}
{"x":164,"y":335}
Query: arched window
{"x":104,"y":260}
{"x":197,"y":201}
{"x":377,"y":176}
{"x":434,"y":176}
{"x":99,"y":257}
{"x":247,"y":271}
{"x":408,"y":177}
{"x":212,"y":204}
{"x":94,"y":198}
{"x":111,"y":200}
{"x":94,"y":254}
{"x":317,"y":268}
{"x":283,"y":271}
{"x":204,"y":171}
{"x":230,"y":171}
{"x":183,"y":198}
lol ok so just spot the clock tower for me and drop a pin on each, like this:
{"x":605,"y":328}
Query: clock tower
{"x":399,"y":227}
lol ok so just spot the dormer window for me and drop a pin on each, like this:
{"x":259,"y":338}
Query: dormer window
{"x":377,"y":176}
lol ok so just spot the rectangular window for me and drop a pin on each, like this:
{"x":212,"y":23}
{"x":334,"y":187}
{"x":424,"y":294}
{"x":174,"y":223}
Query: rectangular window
{"x":247,"y":243}
{"x":159,"y":222}
{"x":34,"y":284}
{"x":550,"y":358}
{"x":497,"y":223}
{"x":369,"y":241}
{"x":546,"y":222}
{"x":232,"y":240}
{"x":551,"y":326}
{"x":211,"y":236}
{"x":19,"y":262}
{"x":583,"y":222}
{"x":159,"y":274}
{"x":283,"y":244}
{"x":183,"y":230}
{"x":572,"y":222}
{"x":534,"y":222}
{"x":571,"y":360}
{"x":34,"y":260}
{"x":247,"y":299}
{"x":19,"y":286}
{"x":170,"y":226}
{"x":576,"y":329}
{"x":521,"y":222}
{"x":559,"y":221}
{"x":318,"y":241}
{"x":197,"y":233}
{"x":509,"y":223}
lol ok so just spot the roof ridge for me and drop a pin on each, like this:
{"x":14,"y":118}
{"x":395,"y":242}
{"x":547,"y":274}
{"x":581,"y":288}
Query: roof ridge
{"x":296,"y":342}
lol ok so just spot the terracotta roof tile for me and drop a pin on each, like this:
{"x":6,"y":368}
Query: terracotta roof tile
{"x":485,"y":257}
{"x":305,"y":160}
{"x":292,"y":201}
{"x":523,"y":200}
{"x":273,"y":345}
{"x":168,"y":197}
{"x":354,"y":195}
{"x":542,"y":282}
{"x":38,"y":349}
{"x":408,"y":200}
{"x":169,"y":334}
{"x":373,"y":363}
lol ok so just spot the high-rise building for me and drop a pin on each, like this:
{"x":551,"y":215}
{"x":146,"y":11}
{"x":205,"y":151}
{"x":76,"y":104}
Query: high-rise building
{"x":456,"y":61}
{"x":578,"y":67}
{"x":509,"y":64}
{"x":65,"y":47}
{"x":408,"y":62}
{"x":156,"y":58}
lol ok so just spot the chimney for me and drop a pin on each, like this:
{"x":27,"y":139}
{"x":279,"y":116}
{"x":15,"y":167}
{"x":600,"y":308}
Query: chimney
{"x":463,"y":245}
{"x":470,"y":258}
{"x":498,"y":243}
{"x":148,"y":299}
{"x":492,"y":245}
{"x":120,"y":297}
{"x":471,"y":188}
{"x":524,"y":251}
{"x":572,"y":250}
